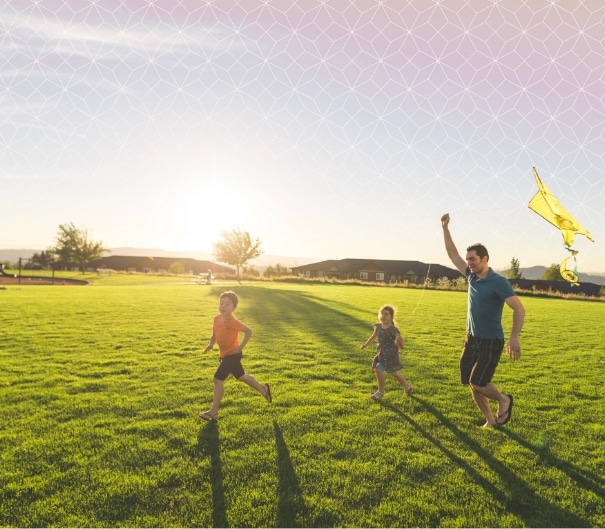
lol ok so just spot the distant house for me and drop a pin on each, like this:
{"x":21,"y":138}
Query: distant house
{"x":416,"y":273}
{"x":377,"y":270}
{"x":157,"y":265}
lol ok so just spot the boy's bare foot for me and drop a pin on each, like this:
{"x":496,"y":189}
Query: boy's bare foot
{"x":267,"y":393}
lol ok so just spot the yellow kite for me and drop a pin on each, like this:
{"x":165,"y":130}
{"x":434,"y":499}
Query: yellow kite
{"x":545,"y":204}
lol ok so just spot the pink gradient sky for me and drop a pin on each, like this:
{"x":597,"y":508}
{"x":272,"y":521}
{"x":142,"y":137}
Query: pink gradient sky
{"x":328,"y":129}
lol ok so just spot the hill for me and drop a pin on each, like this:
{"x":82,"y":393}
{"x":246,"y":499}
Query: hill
{"x":536,"y":272}
{"x":12,"y":256}
{"x":260,"y":263}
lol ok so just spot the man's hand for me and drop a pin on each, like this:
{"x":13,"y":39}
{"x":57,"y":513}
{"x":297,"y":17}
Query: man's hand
{"x":513,"y":349}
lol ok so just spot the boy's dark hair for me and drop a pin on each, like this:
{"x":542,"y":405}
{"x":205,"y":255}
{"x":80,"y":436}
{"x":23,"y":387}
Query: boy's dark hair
{"x":479,"y":249}
{"x":232,"y":296}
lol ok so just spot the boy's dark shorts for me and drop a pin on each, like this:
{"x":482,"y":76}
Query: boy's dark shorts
{"x":479,"y":360}
{"x":230,"y":365}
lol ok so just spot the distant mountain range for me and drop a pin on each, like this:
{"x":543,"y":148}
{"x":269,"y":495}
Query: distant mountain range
{"x":260,"y":263}
{"x":12,"y":256}
{"x":536,"y":272}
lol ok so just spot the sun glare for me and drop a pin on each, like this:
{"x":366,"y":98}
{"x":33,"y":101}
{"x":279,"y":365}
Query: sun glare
{"x":202,"y":215}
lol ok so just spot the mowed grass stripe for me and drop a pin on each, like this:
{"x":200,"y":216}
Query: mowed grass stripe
{"x":101,"y":387}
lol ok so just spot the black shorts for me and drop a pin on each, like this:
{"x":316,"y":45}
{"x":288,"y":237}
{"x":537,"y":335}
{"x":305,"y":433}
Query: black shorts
{"x":230,"y":365}
{"x":479,"y":360}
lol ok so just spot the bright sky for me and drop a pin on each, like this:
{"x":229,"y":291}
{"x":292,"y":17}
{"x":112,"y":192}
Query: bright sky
{"x":327,"y":129}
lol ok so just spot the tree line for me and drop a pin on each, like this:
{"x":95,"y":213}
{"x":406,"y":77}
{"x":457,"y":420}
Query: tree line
{"x":236,"y":247}
{"x":72,"y":245}
{"x":552,"y":273}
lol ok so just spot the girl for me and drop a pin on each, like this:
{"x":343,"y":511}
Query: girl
{"x":387,"y":357}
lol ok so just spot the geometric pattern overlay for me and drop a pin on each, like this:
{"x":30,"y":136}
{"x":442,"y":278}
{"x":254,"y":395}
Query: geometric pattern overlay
{"x":325,"y":128}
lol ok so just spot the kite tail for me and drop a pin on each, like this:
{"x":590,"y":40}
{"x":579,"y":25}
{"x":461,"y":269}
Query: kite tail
{"x":570,"y":275}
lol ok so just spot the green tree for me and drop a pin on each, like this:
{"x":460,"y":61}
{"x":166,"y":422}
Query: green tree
{"x":236,"y":249}
{"x":513,"y":271}
{"x":177,"y":268}
{"x":74,"y":246}
{"x":42,"y":260}
{"x":276,"y":271}
{"x":250,"y":271}
{"x":460,"y":283}
{"x":552,"y":273}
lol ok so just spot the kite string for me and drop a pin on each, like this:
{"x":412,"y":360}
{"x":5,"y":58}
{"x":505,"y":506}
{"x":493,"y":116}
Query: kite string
{"x":409,"y":316}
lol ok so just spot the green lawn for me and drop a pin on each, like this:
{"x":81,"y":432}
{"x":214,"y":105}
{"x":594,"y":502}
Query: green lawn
{"x":104,"y":278}
{"x":101,"y":387}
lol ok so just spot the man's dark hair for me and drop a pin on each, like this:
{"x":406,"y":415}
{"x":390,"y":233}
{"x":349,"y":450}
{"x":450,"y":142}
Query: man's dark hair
{"x":479,"y":249}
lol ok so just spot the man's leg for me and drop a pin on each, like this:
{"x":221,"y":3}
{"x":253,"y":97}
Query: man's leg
{"x":483,"y":391}
{"x":482,"y":396}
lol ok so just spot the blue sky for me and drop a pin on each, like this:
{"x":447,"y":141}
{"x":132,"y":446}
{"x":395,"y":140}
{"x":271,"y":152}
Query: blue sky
{"x":327,"y":129}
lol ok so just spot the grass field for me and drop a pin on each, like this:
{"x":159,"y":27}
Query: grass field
{"x":101,"y":386}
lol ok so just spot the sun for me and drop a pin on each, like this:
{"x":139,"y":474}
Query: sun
{"x":201,"y":214}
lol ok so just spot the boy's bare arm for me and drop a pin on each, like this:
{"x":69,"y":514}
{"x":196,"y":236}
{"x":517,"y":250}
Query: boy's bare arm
{"x":247,"y":335}
{"x":210,"y":344}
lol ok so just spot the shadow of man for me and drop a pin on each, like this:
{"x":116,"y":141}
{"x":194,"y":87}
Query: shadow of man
{"x":517,"y":497}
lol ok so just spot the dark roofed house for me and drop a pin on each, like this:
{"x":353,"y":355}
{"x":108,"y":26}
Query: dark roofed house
{"x":377,"y":270}
{"x":157,"y":265}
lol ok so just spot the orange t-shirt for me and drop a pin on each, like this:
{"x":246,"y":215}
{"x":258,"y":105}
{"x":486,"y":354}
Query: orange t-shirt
{"x":226,"y":333}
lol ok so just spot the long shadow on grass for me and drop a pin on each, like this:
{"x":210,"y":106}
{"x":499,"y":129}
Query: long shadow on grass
{"x":521,"y":501}
{"x":581,"y":476}
{"x":282,"y":309}
{"x":291,"y":508}
{"x":208,"y":444}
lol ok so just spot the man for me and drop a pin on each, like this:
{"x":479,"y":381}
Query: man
{"x":487,"y":293}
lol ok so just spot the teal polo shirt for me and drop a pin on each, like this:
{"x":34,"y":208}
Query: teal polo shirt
{"x":485,"y":303}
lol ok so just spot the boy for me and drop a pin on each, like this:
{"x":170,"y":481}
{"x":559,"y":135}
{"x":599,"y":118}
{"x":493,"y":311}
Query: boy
{"x":225,"y":332}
